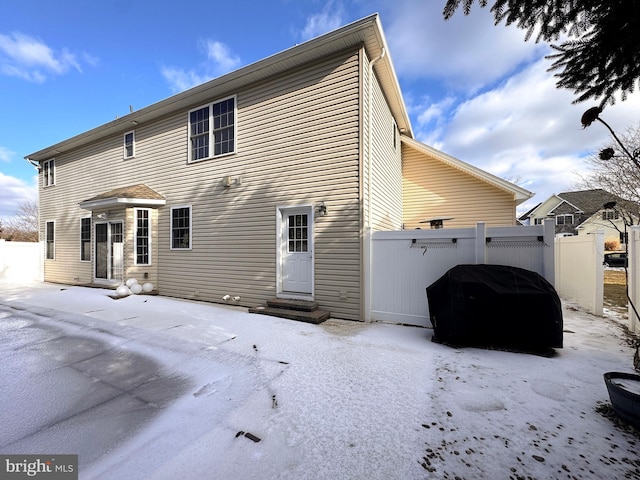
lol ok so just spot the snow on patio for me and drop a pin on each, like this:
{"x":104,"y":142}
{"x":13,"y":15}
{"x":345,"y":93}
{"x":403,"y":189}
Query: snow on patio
{"x":262,"y":397}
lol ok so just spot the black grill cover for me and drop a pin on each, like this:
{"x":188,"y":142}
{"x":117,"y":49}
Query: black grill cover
{"x":495,"y":305}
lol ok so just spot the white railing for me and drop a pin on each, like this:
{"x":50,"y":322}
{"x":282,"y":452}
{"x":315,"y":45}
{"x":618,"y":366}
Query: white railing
{"x":405,"y":262}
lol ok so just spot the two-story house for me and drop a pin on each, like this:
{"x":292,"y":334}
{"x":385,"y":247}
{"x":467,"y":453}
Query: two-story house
{"x":261,"y":183}
{"x":586,"y":211}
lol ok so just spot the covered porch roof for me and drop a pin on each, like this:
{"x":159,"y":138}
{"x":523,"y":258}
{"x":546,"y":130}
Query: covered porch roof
{"x":138,"y":195}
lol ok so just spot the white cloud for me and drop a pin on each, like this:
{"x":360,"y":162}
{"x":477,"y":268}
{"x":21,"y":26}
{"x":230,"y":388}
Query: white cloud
{"x":330,"y":18}
{"x":6,"y":154}
{"x":220,"y":60}
{"x":180,"y":79}
{"x":28,"y":58}
{"x":13,"y":191}
{"x":466,"y":52}
{"x":524,"y":128}
{"x":221,"y":56}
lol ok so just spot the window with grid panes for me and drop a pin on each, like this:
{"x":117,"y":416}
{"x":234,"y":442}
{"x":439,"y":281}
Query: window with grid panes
{"x":181,"y":227}
{"x":142,"y":236}
{"x":212,"y":130}
{"x":298,"y":233}
{"x":85,"y":239}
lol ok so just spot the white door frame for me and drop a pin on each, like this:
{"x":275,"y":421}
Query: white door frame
{"x":111,"y":279}
{"x":281,"y":248}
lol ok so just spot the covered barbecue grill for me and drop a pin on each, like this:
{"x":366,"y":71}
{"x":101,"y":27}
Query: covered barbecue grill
{"x":495,"y":305}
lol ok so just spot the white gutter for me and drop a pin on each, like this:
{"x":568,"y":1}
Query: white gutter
{"x":367,"y":241}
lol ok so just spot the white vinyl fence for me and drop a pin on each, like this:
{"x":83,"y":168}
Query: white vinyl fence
{"x":580,"y":270}
{"x":633,"y":272}
{"x":404,"y":263}
{"x":20,"y":261}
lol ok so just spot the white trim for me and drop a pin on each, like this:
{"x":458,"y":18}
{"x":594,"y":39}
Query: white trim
{"x":90,"y":239}
{"x":109,"y":281}
{"x":135,"y":235}
{"x":124,"y":145}
{"x":281,"y":210}
{"x":190,"y":207}
{"x":564,"y":215}
{"x":211,"y":129}
{"x":46,"y":238}
{"x":50,"y":163}
{"x":120,"y":201}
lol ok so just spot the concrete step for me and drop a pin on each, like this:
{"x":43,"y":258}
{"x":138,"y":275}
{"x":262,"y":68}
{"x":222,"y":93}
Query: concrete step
{"x":290,"y":304}
{"x":315,"y":316}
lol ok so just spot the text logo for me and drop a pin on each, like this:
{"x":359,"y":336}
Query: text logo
{"x":43,"y":467}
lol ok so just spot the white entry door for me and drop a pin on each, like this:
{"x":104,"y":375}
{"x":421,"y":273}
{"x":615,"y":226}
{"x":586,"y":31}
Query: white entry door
{"x":296,"y":251}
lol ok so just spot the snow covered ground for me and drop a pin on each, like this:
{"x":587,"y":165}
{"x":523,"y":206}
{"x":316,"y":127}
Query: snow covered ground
{"x":187,"y":389}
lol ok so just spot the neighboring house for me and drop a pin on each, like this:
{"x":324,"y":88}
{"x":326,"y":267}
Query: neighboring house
{"x":582,"y":212}
{"x":262,"y":183}
{"x":524,"y":218}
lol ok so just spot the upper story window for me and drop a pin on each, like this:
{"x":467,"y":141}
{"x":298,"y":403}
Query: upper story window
{"x":48,"y":173}
{"x":538,"y":221}
{"x":212,"y":130}
{"x":181,"y":228}
{"x":129,"y":144}
{"x":609,"y":215}
{"x":566,"y":219}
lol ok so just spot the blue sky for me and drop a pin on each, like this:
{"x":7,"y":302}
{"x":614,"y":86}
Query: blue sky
{"x":476,"y":91}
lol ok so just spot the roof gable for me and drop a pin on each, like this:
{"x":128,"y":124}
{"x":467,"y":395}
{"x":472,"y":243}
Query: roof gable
{"x":520,"y":194}
{"x":139,"y":194}
{"x":587,"y":201}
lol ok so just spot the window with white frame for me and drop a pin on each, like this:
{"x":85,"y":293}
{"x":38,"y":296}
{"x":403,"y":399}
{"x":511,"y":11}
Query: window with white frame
{"x":85,"y":239}
{"x":142,"y":236}
{"x":565,"y":219}
{"x":50,"y":241}
{"x":609,"y":215}
{"x":538,"y":221}
{"x":181,"y":228}
{"x":212,"y":130}
{"x":129,"y":144}
{"x":48,"y":173}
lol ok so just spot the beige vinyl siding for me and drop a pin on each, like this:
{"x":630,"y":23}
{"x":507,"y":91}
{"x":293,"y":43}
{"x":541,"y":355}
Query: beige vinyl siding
{"x":142,"y":273}
{"x":57,"y":204}
{"x":297,"y":143}
{"x":433,"y":189}
{"x":387,"y":166}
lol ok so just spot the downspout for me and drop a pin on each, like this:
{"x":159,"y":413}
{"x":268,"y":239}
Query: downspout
{"x":367,"y":241}
{"x":370,"y":139}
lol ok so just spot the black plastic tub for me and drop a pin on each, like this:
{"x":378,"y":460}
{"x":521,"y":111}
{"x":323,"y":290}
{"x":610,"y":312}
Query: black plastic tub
{"x":624,"y":393}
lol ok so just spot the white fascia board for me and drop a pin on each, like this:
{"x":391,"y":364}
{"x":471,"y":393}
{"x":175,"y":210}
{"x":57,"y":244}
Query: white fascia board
{"x":121,"y":201}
